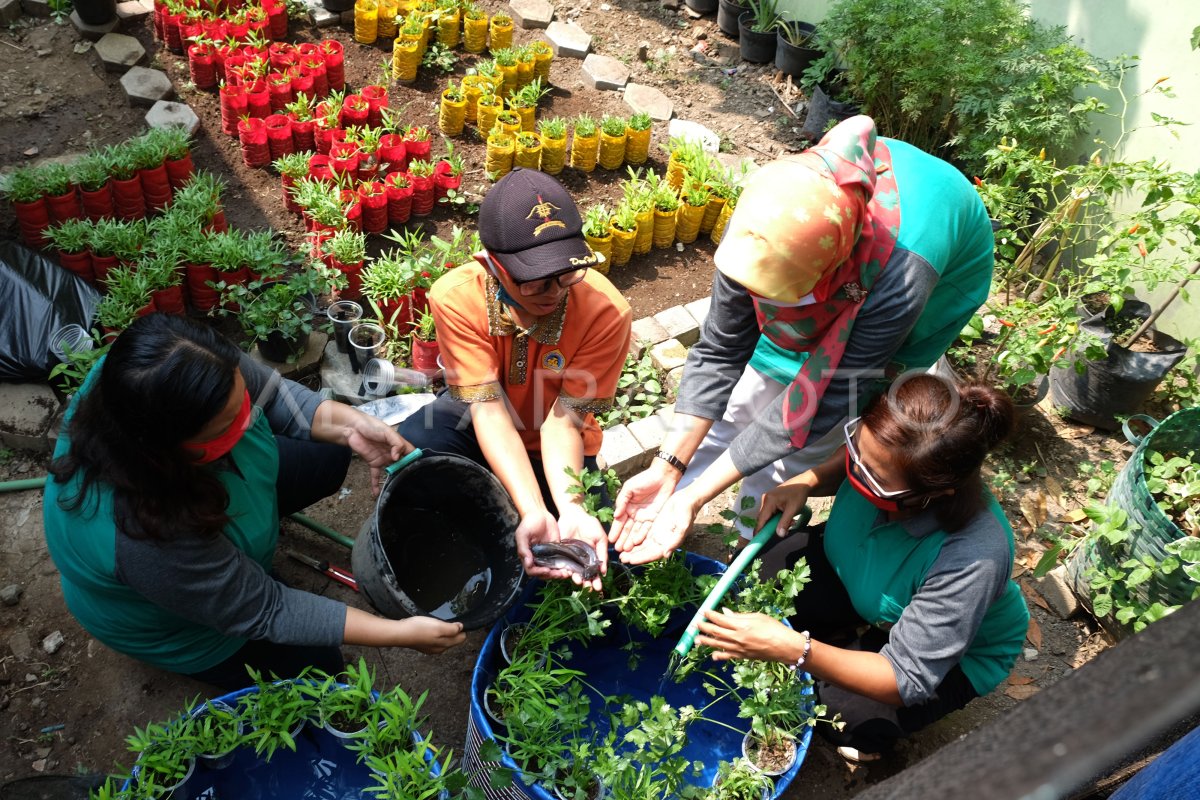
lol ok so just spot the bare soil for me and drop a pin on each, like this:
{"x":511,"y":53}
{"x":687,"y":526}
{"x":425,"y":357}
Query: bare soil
{"x":68,"y":711}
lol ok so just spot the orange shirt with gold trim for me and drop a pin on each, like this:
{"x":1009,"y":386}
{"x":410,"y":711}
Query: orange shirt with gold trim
{"x":574,"y":354}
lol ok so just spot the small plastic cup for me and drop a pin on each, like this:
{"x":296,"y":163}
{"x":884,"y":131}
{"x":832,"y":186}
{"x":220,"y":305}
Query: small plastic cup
{"x":343,"y":314}
{"x":365,"y":340}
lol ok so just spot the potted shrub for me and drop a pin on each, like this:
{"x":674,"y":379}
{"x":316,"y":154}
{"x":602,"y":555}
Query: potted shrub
{"x":91,"y":175}
{"x":528,"y":153}
{"x":637,"y":138}
{"x":387,"y":284}
{"x":275,"y":713}
{"x":795,"y":49}
{"x":741,"y":780}
{"x":214,"y":731}
{"x":501,"y":148}
{"x":612,"y":142}
{"x":554,"y":144}
{"x":691,"y":211}
{"x":756,"y":31}
{"x":624,"y":231}
{"x":452,"y":111}
{"x":584,"y":144}
{"x":424,"y":344}
{"x":500,"y":31}
{"x":277,"y":315}
{"x":164,"y":758}
{"x":73,"y":239}
{"x":475,"y":28}
{"x":597,"y":232}
{"x":666,"y":206}
{"x":345,"y":251}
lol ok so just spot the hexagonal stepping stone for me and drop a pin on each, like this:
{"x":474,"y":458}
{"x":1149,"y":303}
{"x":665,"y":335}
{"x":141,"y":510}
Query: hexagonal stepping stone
{"x":145,"y":87}
{"x":640,"y":97}
{"x":166,"y":114}
{"x":133,"y":10}
{"x":119,"y":52}
{"x":93,"y":32}
{"x":604,"y":72}
{"x":532,"y":13}
{"x":568,"y":39}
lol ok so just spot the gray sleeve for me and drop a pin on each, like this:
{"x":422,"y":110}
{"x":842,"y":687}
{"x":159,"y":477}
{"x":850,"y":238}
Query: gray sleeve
{"x":289,"y":406}
{"x":715,"y":363}
{"x":211,"y":582}
{"x":940,"y":623}
{"x":887,"y":316}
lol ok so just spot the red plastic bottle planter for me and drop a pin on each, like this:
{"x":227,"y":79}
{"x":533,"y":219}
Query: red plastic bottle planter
{"x":169,"y":300}
{"x":100,"y":267}
{"x":332,"y":52}
{"x":203,"y":297}
{"x":444,"y":181}
{"x":417,"y":149}
{"x":375,"y":207}
{"x":179,"y":170}
{"x":129,"y":201}
{"x":171,"y":33}
{"x":258,"y":99}
{"x":343,"y":159}
{"x":64,"y":206}
{"x":98,"y":203}
{"x":314,"y":67}
{"x":356,"y":112}
{"x":423,"y":198}
{"x":277,"y":20}
{"x":318,"y":168}
{"x":79,"y":264}
{"x":425,"y":356}
{"x":279,"y":135}
{"x":156,"y":186}
{"x":279,"y":88}
{"x":398,"y":312}
{"x":233,"y":107}
{"x":377,"y":100}
{"x":399,"y":194}
{"x":392,"y":154}
{"x":302,"y":84}
{"x":353,"y":273}
{"x":252,"y":132}
{"x":302,"y":134}
{"x":286,"y":184}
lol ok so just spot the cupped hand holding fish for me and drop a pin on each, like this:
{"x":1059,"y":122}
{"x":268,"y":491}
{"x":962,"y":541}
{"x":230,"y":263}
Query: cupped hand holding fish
{"x":576,"y":524}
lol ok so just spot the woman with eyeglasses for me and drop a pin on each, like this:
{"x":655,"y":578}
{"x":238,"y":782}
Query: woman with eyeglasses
{"x":911,"y":611}
{"x":533,"y":342}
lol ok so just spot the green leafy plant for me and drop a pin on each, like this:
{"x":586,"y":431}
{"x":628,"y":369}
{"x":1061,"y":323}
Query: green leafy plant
{"x":529,"y":95}
{"x":765,"y":15}
{"x":425,"y":328}
{"x":346,"y":246}
{"x":1174,"y":481}
{"x":613,"y":125}
{"x":641,"y":121}
{"x":552,"y":128}
{"x":438,"y":56}
{"x":275,"y":712}
{"x":589,"y":481}
{"x":740,"y":780}
{"x":585,"y":126}
{"x":280,"y":307}
{"x":640,"y":390}
{"x":70,"y":374}
{"x":595,"y":221}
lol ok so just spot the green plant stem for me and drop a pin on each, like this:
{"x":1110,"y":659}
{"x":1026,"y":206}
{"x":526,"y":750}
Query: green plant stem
{"x":1150,"y":320}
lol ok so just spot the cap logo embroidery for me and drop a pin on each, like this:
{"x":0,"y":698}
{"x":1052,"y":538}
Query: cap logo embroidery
{"x":545,"y":210}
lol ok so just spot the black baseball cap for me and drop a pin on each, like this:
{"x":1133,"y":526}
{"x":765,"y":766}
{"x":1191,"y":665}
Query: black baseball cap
{"x":532,"y":226}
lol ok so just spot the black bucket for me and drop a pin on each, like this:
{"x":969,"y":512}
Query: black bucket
{"x":441,"y":544}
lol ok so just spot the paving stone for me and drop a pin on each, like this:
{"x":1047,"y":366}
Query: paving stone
{"x":640,"y":97}
{"x":568,"y":39}
{"x":10,"y":11}
{"x":321,"y":16}
{"x":145,"y":87}
{"x":672,"y":381}
{"x":93,"y":32}
{"x":532,"y":13}
{"x":694,"y":132}
{"x":26,"y":411}
{"x":679,"y":324}
{"x":167,"y":114}
{"x":1055,"y":588}
{"x":649,"y":432}
{"x":699,"y":309}
{"x":307,"y":364}
{"x":668,"y":355}
{"x":604,"y":72}
{"x":36,"y":8}
{"x":646,"y":332}
{"x":132,"y":11}
{"x":119,"y":52}
{"x":621,"y":452}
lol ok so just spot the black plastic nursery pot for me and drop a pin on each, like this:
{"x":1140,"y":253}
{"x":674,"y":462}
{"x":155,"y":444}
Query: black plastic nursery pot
{"x":755,"y":47}
{"x":279,"y":348}
{"x":728,"y":12}
{"x":824,"y":112}
{"x":793,"y":59}
{"x":702,"y":6}
{"x":96,"y":12}
{"x":338,"y":5}
{"x":441,"y":543}
{"x":1098,"y":392}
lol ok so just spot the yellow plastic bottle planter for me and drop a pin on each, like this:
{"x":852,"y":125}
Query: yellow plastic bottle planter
{"x":508,"y":74}
{"x":718,"y":229}
{"x":475,"y":32}
{"x":711,"y":212}
{"x":452,"y":114}
{"x":583,"y":152}
{"x":366,"y":22}
{"x":622,"y":245}
{"x":387,"y":20}
{"x":529,"y":151}
{"x":664,"y":228}
{"x":499,"y":159}
{"x":526,"y":69}
{"x":554,"y":155}
{"x":612,"y":151}
{"x":473,"y":89}
{"x":543,"y":55}
{"x":645,"y":232}
{"x":676,"y":173}
{"x":449,"y":27}
{"x":603,"y":246}
{"x":500,"y":33}
{"x":687,"y":222}
{"x":486,"y":110}
{"x":637,"y":146}
{"x":406,"y":58}
{"x":527,"y":115}
{"x":509,"y":121}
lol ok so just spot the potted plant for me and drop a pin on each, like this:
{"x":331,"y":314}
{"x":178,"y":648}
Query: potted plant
{"x":475,"y":27}
{"x":420,"y":172}
{"x":277,"y":315}
{"x":387,"y":284}
{"x":424,"y":344}
{"x":345,"y":703}
{"x":275,"y":712}
{"x":73,"y":239}
{"x":543,"y":55}
{"x":452,"y":111}
{"x":528,"y":153}
{"x":525,"y":100}
{"x":213,"y":731}
{"x":728,"y":14}
{"x":291,"y":168}
{"x":666,"y":206}
{"x":624,"y":231}
{"x":795,"y":49}
{"x":584,"y":144}
{"x":741,"y":780}
{"x":500,"y":31}
{"x":448,"y":173}
{"x":554,"y":144}
{"x":612,"y":142}
{"x":345,"y":251}
{"x":756,"y":31}
{"x":91,"y":175}
{"x":637,"y":138}
{"x":164,"y":758}
{"x":487,"y":108}
{"x":597,"y":233}
{"x":691,"y":211}
{"x":501,"y":148}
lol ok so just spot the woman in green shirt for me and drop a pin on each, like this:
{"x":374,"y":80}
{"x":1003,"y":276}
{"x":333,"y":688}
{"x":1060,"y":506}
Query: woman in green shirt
{"x":911,"y":611}
{"x":178,"y":457}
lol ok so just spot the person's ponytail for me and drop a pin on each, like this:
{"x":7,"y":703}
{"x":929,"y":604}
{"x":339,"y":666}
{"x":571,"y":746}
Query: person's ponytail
{"x":993,"y":409}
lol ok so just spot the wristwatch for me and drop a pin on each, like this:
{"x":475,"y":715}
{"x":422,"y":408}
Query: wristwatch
{"x":672,"y":460}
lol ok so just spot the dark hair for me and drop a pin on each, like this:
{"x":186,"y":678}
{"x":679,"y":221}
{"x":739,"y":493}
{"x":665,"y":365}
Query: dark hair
{"x":939,"y":434}
{"x":164,"y":379}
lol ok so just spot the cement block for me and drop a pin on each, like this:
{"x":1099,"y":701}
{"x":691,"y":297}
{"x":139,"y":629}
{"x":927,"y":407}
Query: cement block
{"x":640,"y":98}
{"x":679,"y":324}
{"x":323,"y":18}
{"x":10,"y":11}
{"x":145,"y":87}
{"x":604,"y":72}
{"x":119,"y":52}
{"x":26,"y":411}
{"x":649,"y":433}
{"x":621,"y":452}
{"x":672,"y":381}
{"x":307,"y":364}
{"x":167,"y":114}
{"x":133,"y":11}
{"x":568,"y":39}
{"x":646,"y":332}
{"x":699,"y":309}
{"x":668,"y":355}
{"x":93,"y":32}
{"x":532,"y":13}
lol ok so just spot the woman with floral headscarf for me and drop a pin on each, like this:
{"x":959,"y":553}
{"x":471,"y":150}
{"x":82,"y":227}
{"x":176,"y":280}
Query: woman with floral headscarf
{"x":860,"y":258}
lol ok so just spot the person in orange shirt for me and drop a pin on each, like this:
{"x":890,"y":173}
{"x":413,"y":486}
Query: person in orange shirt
{"x":533,"y":342}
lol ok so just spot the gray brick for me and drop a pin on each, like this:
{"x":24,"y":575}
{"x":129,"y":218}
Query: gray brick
{"x":640,"y":97}
{"x":604,"y":72}
{"x":679,"y":324}
{"x":699,"y":309}
{"x":668,"y":355}
{"x":119,"y":52}
{"x":621,"y":452}
{"x":568,"y":39}
{"x":532,"y":13}
{"x":646,"y":331}
{"x":167,"y":114}
{"x":145,"y":87}
{"x":649,"y":433}
{"x":26,"y":413}
{"x":133,"y":11}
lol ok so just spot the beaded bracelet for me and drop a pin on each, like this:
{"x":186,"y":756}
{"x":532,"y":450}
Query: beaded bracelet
{"x":804,"y":655}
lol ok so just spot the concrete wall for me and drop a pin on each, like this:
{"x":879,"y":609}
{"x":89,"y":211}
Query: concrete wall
{"x":1159,"y":33}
